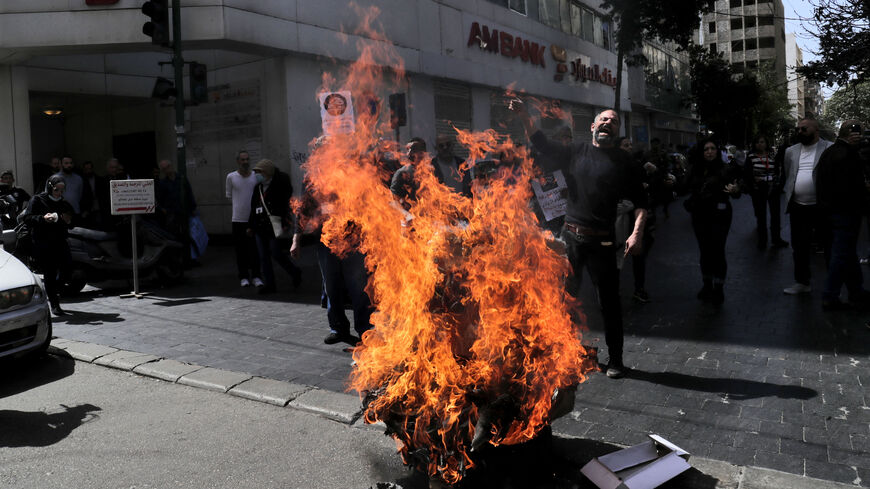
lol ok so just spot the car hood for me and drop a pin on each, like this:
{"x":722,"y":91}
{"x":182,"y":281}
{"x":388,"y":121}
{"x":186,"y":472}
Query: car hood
{"x":13,"y":273}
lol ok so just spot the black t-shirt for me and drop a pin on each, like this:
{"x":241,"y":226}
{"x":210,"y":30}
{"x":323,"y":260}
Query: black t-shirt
{"x":597,"y":179}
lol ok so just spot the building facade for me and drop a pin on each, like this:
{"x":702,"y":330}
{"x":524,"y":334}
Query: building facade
{"x":267,"y":62}
{"x":748,"y":33}
{"x":796,"y":84}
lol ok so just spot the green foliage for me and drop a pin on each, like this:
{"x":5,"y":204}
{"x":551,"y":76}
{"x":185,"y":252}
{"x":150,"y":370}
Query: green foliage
{"x":852,"y":102}
{"x":733,"y":107}
{"x":637,"y":20}
{"x":843,"y":30}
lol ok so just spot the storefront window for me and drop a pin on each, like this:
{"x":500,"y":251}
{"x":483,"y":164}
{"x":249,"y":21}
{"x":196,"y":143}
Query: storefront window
{"x":605,"y":34}
{"x":518,"y":6}
{"x":576,"y":20}
{"x":599,"y":38}
{"x":588,"y":25}
{"x":548,"y":11}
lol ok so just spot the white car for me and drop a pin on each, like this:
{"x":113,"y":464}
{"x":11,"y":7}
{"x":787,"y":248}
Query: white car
{"x":25,"y":320}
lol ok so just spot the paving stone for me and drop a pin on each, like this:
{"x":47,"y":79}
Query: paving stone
{"x":125,"y":360}
{"x":213,"y":379}
{"x":831,"y":472}
{"x":778,"y":461}
{"x":726,"y":475}
{"x":169,"y":370}
{"x":853,"y":458}
{"x":784,"y":430}
{"x":86,"y":352}
{"x":333,"y":405}
{"x":268,"y":390}
{"x":761,"y":478}
{"x":802,"y":449}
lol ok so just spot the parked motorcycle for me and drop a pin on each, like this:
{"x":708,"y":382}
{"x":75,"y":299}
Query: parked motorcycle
{"x":99,"y":255}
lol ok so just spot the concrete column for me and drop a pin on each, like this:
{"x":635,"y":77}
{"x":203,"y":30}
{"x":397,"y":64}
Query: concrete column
{"x":15,"y":125}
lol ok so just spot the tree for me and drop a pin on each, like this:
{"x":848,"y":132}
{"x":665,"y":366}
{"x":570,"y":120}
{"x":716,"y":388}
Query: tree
{"x":637,"y":20}
{"x":843,"y":30}
{"x":852,"y":102}
{"x":771,"y":115}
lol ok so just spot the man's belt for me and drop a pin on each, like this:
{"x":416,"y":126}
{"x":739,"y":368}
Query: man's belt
{"x":584,"y":231}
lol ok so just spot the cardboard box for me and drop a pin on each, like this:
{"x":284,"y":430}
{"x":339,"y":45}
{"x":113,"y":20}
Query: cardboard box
{"x":643,"y":466}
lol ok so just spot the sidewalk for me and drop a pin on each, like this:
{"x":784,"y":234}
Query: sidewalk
{"x":766,"y":381}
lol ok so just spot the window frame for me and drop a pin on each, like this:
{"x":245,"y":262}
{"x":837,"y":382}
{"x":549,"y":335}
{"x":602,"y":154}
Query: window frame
{"x":525,"y":3}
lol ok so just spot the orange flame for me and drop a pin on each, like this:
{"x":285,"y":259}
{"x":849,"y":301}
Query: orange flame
{"x":470,"y":304}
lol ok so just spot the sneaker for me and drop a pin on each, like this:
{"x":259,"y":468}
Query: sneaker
{"x":245,"y":283}
{"x":258,"y":283}
{"x":641,"y":296}
{"x":57,"y":311}
{"x":615,"y":371}
{"x":797,"y":288}
{"x":333,"y":338}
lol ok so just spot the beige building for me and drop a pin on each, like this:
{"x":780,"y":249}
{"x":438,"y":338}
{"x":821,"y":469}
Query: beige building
{"x":747,"y":33}
{"x":794,"y":59}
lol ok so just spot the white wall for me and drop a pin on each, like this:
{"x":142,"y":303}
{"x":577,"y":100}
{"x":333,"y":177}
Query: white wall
{"x":15,"y":125}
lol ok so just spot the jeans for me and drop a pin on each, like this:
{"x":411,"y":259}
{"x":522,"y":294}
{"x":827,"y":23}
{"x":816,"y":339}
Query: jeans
{"x":345,"y":273}
{"x":806,"y":223}
{"x":711,"y":230}
{"x":247,"y":257}
{"x":269,"y":248}
{"x":843,"y":266}
{"x":599,"y":258}
{"x":762,"y":197}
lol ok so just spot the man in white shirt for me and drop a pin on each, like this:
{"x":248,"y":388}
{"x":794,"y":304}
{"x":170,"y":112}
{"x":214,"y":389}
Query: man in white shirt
{"x":800,"y":194}
{"x":240,"y":188}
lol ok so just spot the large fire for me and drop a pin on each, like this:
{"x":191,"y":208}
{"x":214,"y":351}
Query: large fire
{"x":472,"y":332}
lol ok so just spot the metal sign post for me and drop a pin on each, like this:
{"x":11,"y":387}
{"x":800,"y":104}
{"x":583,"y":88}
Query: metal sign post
{"x":132,"y":197}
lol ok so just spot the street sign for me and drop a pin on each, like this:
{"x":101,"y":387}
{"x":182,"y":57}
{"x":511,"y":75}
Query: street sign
{"x":131,"y":197}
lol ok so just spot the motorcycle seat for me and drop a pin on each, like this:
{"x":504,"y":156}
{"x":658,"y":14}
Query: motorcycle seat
{"x":92,"y":234}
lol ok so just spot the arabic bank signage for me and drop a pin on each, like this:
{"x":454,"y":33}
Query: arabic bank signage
{"x":577,"y":68}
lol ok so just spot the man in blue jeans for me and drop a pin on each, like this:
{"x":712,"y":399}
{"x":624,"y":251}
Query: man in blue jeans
{"x":841,"y":193}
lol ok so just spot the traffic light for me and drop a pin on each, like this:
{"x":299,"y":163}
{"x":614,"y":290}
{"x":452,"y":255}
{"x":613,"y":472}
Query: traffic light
{"x":198,"y":83}
{"x":158,"y":27}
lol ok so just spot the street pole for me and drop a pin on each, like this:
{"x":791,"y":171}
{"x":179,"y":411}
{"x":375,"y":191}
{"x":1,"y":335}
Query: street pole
{"x":181,"y":145}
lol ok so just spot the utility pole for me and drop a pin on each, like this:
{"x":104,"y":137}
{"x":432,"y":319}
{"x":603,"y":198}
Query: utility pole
{"x":180,"y":136}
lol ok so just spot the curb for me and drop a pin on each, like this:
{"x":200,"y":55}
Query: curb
{"x":347,"y":409}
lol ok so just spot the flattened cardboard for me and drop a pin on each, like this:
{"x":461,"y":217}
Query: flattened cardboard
{"x":643,"y":466}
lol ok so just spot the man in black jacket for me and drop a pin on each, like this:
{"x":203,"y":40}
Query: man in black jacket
{"x":598,"y":174}
{"x":271,"y":198}
{"x":841,"y":194}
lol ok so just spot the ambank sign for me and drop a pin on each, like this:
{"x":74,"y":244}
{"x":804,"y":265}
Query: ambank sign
{"x":512,"y":46}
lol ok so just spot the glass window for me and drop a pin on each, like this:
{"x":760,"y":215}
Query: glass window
{"x":518,"y":6}
{"x":765,"y":20}
{"x":605,"y":34}
{"x":736,"y":24}
{"x":751,"y":43}
{"x":588,"y":25}
{"x":748,"y":2}
{"x":712,"y":48}
{"x":576,"y":20}
{"x":749,"y":21}
{"x":737,"y":45}
{"x":766,"y":42}
{"x":548,"y":11}
{"x":712,"y":27}
{"x":599,"y":39}
{"x":735,"y":3}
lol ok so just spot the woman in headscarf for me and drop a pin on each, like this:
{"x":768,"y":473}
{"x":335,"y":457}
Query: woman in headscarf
{"x":49,"y":216}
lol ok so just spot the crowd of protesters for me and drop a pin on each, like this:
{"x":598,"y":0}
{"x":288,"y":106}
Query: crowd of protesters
{"x":613,"y":195}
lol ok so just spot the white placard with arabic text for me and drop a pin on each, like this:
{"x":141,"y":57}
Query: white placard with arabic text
{"x":131,"y":196}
